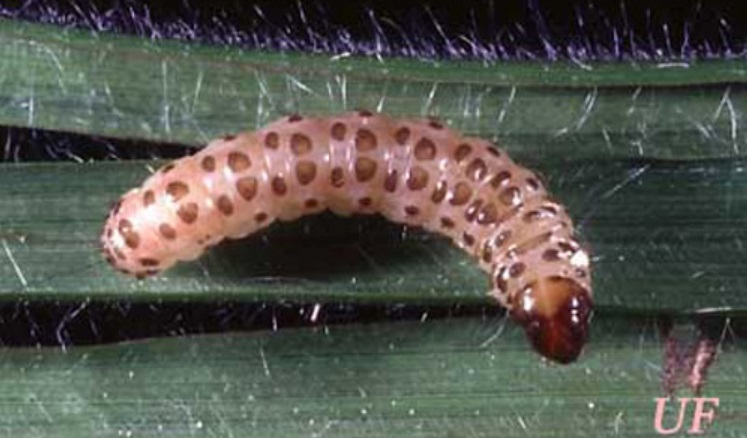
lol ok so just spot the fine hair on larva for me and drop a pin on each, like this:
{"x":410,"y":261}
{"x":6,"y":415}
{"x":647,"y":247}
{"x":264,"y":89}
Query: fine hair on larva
{"x":412,"y":171}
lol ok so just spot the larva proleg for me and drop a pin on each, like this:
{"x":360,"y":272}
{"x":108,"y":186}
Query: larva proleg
{"x":417,"y":172}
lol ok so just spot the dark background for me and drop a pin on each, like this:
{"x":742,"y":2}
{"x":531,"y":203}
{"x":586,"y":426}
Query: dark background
{"x":487,"y":29}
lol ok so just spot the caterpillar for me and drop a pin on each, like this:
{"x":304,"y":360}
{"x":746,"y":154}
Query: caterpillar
{"x":412,"y":171}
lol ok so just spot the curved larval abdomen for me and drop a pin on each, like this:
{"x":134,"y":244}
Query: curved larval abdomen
{"x":411,"y":171}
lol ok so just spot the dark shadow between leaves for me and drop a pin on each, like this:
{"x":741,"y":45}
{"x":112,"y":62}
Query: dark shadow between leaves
{"x":326,"y":248}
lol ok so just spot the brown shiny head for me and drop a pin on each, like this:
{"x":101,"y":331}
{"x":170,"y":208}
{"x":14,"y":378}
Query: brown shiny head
{"x":555,"y":312}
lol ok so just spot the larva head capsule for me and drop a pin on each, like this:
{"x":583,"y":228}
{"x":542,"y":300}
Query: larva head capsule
{"x":555,"y":312}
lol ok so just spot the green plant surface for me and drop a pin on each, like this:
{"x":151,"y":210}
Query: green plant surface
{"x":129,"y":87}
{"x":449,"y":378}
{"x":666,"y":235}
{"x":648,"y":157}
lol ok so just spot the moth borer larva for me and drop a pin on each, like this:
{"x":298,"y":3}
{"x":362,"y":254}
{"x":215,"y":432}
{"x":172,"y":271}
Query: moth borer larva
{"x":412,"y":171}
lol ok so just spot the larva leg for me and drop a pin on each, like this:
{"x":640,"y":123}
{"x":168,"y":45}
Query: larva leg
{"x":417,"y":172}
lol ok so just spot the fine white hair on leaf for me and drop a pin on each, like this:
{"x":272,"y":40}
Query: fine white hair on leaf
{"x":575,"y":31}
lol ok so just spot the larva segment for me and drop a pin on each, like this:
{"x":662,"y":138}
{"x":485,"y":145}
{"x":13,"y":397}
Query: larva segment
{"x":417,"y":172}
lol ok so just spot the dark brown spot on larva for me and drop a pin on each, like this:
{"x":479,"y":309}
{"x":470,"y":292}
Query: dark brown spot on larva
{"x":532,"y":243}
{"x":338,"y":131}
{"x":305,"y":172}
{"x":550,"y":209}
{"x":471,"y":212}
{"x":447,"y":223}
{"x":402,"y":135}
{"x":228,"y":137}
{"x":238,"y":162}
{"x":149,"y":198}
{"x":532,"y":183}
{"x":510,"y":196}
{"x":412,"y":210}
{"x":501,"y":238}
{"x":469,"y":239}
{"x":566,"y":247}
{"x":132,"y":239}
{"x":487,"y":253}
{"x":532,"y":216}
{"x":435,"y":123}
{"x":439,"y":193}
{"x":580,"y":273}
{"x":493,"y":151}
{"x":390,"y":182}
{"x":462,"y":151}
{"x":365,"y":140}
{"x":425,"y":150}
{"x":177,"y":190}
{"x":208,"y":164}
{"x":294,"y":118}
{"x":477,"y":170}
{"x":417,"y":178}
{"x":120,"y":255}
{"x":128,"y":233}
{"x":337,"y":177}
{"x":167,"y":168}
{"x":461,"y":194}
{"x":247,"y":187}
{"x":188,"y":212}
{"x":300,"y":144}
{"x":204,"y":240}
{"x":225,"y":205}
{"x":260,"y":217}
{"x":148,"y":262}
{"x":109,"y":233}
{"x":116,"y":206}
{"x":279,"y":187}
{"x":140,"y":275}
{"x":272,"y":140}
{"x":516,"y":269}
{"x":365,"y":202}
{"x":551,"y":255}
{"x":500,"y":178}
{"x":167,"y":231}
{"x":365,"y":169}
{"x":488,"y":214}
{"x":365,"y":113}
{"x":311,"y":203}
{"x":500,"y":281}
